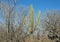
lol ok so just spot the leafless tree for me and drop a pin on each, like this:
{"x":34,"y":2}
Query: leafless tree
{"x":11,"y":16}
{"x":51,"y":23}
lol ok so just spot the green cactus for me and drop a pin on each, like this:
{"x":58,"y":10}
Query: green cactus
{"x":32,"y":27}
{"x":38,"y":19}
{"x":31,"y":18}
{"x":26,"y":21}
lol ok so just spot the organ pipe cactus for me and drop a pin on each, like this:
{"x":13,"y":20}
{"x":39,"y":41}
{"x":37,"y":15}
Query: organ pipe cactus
{"x":32,"y":19}
{"x":38,"y":19}
{"x":32,"y":27}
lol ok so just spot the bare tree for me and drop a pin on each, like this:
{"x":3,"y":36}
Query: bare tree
{"x":10,"y":14}
{"x":51,"y":23}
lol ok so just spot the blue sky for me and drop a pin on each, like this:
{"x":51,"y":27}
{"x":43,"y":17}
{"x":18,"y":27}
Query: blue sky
{"x":41,"y":5}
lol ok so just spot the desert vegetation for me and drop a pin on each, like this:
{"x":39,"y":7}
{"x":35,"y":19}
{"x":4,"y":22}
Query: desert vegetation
{"x":20,"y":26}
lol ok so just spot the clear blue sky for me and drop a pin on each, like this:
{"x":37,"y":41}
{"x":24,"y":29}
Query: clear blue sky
{"x":41,"y":5}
